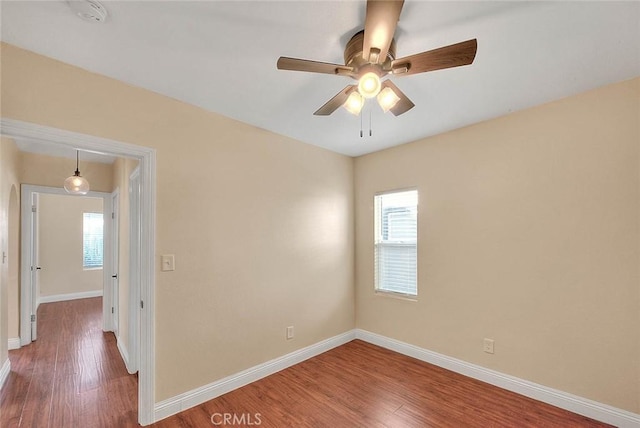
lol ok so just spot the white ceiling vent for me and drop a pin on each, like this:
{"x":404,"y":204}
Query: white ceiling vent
{"x":89,"y":10}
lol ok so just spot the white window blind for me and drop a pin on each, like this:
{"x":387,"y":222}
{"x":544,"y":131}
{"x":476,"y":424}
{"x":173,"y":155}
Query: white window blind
{"x":92,"y":240}
{"x":396,"y":242}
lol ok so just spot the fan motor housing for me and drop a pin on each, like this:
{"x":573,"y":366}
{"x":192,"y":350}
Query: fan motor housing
{"x":353,"y":54}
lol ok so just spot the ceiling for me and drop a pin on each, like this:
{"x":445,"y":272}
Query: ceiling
{"x":221,"y":56}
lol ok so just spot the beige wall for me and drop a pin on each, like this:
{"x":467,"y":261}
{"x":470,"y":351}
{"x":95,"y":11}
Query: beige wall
{"x":261,"y":225}
{"x":529,"y":235}
{"x":43,"y":170}
{"x":61,"y":245}
{"x":9,"y":226}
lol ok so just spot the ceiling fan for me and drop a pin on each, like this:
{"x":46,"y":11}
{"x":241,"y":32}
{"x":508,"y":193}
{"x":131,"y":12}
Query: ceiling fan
{"x":370,"y":56}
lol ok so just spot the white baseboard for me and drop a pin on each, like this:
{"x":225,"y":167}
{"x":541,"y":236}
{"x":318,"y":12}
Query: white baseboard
{"x":4,"y":372}
{"x":124,"y":354}
{"x":13,"y":343}
{"x":69,"y":296}
{"x":208,"y":392}
{"x":583,"y":406}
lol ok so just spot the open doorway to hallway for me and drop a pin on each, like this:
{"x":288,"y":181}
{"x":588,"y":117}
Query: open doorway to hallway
{"x":143,"y":305}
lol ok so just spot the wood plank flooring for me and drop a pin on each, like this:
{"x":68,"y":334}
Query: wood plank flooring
{"x":362,"y":385}
{"x":72,"y":376}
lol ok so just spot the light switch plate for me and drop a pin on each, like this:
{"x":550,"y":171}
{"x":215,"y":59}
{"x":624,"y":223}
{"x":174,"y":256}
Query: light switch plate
{"x":168,"y":263}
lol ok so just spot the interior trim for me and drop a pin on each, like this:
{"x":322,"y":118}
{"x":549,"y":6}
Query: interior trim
{"x":564,"y":400}
{"x":124,"y":354}
{"x":70,"y":296}
{"x":4,"y":372}
{"x":13,"y":343}
{"x":215,"y":389}
{"x":582,"y":406}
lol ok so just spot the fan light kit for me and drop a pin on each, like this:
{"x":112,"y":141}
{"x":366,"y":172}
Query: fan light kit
{"x":354,"y":103}
{"x":369,"y":85}
{"x":370,"y":56}
{"x":387,"y":99}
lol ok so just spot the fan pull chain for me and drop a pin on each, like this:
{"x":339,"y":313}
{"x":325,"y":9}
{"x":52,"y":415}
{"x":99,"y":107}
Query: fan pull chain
{"x":370,"y":124}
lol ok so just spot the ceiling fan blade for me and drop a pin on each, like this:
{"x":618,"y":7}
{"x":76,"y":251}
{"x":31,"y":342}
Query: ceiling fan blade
{"x":404,"y":105}
{"x":462,"y":53}
{"x":295,"y":64}
{"x":334,"y":103}
{"x":379,"y":28}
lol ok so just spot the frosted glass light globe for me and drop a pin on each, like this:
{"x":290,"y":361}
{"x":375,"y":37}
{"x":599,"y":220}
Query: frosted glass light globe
{"x":387,"y":99}
{"x":369,"y":85}
{"x":354,"y":103}
{"x":76,"y":184}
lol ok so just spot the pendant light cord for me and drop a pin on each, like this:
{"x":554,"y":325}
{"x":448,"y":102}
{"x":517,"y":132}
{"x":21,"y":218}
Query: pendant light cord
{"x":77,"y":173}
{"x":76,"y":184}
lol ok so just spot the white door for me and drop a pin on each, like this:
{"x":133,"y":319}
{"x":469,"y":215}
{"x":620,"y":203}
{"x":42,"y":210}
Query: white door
{"x":134,"y":268}
{"x":115,"y":264}
{"x":35,"y":267}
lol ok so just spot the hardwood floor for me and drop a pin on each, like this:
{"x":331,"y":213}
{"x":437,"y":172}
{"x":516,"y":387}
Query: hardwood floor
{"x":362,"y":385}
{"x":72,"y":376}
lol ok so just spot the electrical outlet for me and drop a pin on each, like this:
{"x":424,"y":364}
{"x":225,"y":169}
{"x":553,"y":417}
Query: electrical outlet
{"x":290,"y":332}
{"x":488,"y":346}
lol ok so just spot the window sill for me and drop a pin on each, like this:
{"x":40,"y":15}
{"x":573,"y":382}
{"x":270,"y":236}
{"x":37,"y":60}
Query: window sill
{"x":92,"y":268}
{"x":398,"y":296}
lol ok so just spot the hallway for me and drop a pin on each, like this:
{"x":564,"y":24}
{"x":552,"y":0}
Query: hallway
{"x":72,"y":376}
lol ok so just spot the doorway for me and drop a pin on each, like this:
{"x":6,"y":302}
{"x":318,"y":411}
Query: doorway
{"x":146,"y":287}
{"x":66,"y":279}
{"x":32,"y":270}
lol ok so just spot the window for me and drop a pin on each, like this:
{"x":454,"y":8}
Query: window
{"x":396,"y":242}
{"x":92,"y":240}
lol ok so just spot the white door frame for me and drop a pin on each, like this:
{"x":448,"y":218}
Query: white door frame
{"x":147,"y":157}
{"x":28,"y":280}
{"x":134,"y":268}
{"x":29,"y":321}
{"x":114,"y":274}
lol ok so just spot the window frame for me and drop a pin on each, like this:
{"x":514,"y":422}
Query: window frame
{"x":377,"y":208}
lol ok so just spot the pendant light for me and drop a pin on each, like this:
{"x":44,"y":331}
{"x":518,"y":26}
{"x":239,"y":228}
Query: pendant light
{"x":76,"y":184}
